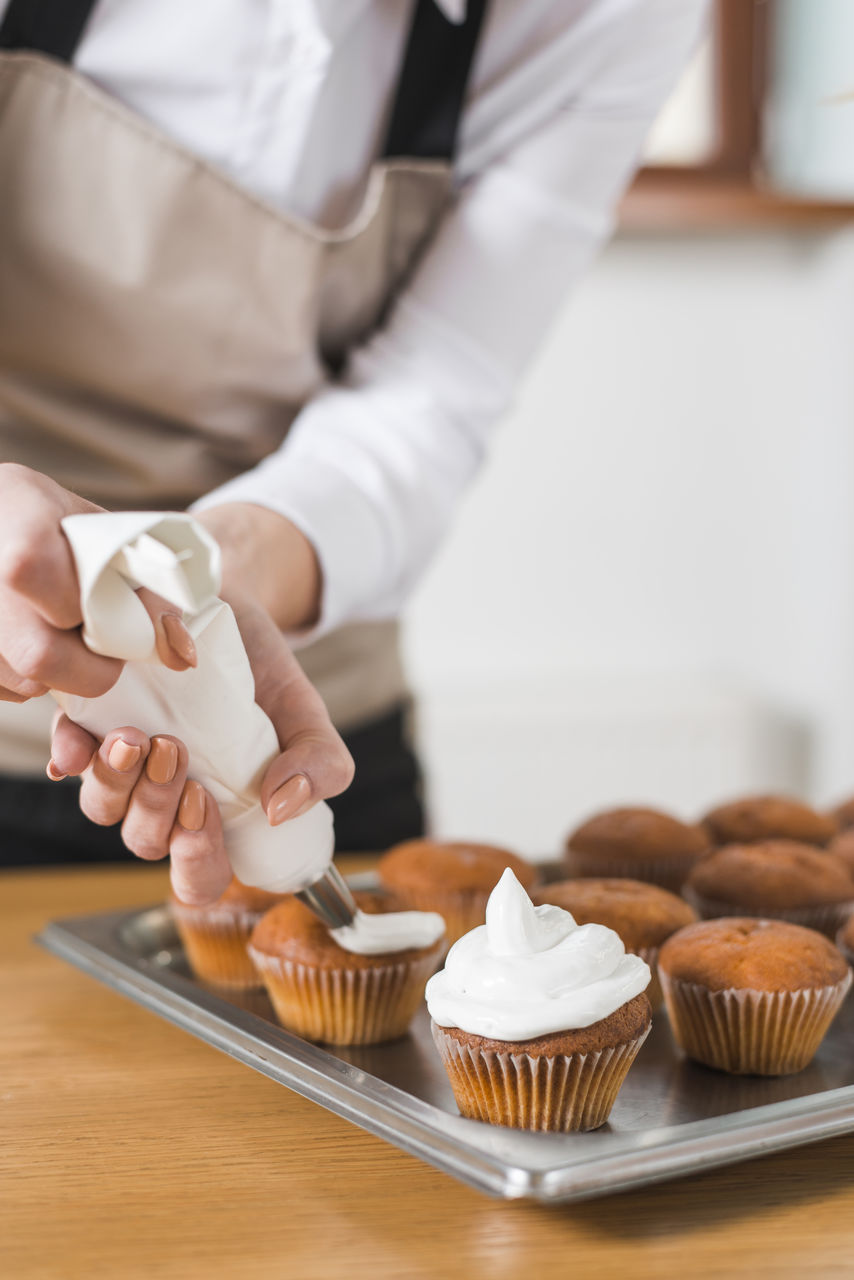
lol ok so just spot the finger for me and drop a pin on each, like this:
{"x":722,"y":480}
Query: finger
{"x":56,"y":659}
{"x":308,"y":771}
{"x":14,"y":689}
{"x":199,"y":871}
{"x":153,"y":804}
{"x":71,"y":748}
{"x":39,"y":566}
{"x":175,"y":646}
{"x":314,"y":763}
{"x":112,"y":774}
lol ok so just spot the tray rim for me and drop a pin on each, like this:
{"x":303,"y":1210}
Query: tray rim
{"x":309,"y":1070}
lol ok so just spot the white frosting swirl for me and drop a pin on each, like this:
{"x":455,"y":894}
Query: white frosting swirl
{"x":532,"y":970}
{"x":375,"y":934}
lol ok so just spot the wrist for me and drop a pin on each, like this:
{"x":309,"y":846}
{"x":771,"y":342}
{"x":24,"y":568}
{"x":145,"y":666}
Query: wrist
{"x":265,"y":556}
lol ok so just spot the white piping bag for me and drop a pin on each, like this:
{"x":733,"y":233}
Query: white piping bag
{"x":211,"y":708}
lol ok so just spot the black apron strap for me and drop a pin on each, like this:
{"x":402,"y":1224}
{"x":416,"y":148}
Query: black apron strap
{"x":432,"y":85}
{"x":53,"y":27}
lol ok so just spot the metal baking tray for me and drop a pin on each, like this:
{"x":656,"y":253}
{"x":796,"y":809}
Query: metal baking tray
{"x":672,"y":1117}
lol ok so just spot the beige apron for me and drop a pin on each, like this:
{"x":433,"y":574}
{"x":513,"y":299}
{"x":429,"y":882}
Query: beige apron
{"x":160,"y":327}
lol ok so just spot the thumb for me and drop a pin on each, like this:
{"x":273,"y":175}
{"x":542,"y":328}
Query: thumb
{"x":314,"y":762}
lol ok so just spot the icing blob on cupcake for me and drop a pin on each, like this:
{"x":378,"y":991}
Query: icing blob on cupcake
{"x":530,"y":971}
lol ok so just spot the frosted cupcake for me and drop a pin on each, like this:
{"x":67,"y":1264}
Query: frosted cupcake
{"x":537,"y":1019}
{"x":453,"y":877}
{"x":635,"y":844}
{"x":751,"y":997}
{"x":357,"y":985}
{"x":215,"y":937}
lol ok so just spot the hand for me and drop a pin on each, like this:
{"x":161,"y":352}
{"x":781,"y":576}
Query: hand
{"x":176,"y":816}
{"x":41,"y":646}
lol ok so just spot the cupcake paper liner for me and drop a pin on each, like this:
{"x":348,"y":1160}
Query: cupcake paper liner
{"x":562,"y":1094}
{"x":653,"y":992}
{"x":345,"y":1006}
{"x":668,"y":873}
{"x":746,"y":1032}
{"x":216,"y":946}
{"x":827,"y":918}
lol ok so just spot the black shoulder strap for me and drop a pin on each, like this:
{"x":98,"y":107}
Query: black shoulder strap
{"x":433,"y":80}
{"x":430,"y":90}
{"x":53,"y":27}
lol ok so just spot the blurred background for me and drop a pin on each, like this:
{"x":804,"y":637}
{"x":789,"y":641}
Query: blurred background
{"x":666,"y":611}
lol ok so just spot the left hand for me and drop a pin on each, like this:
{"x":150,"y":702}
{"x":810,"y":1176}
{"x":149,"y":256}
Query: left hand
{"x":143,"y":783}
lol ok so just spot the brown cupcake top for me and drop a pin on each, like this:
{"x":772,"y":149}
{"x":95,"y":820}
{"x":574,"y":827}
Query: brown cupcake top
{"x":768,"y":818}
{"x":638,"y":833}
{"x":451,"y":866}
{"x":238,"y":899}
{"x":291,"y":932}
{"x":843,"y":846}
{"x":756,"y":955}
{"x":620,"y":1027}
{"x":642,"y":914}
{"x":778,"y":874}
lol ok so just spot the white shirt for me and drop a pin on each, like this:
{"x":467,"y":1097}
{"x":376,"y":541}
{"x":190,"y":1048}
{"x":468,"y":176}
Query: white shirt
{"x":291,"y":98}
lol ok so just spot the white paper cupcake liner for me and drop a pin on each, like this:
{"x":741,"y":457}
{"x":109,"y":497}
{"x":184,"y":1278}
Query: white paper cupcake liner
{"x":653,"y":992}
{"x":749,"y":1032}
{"x":826,"y":918}
{"x":346,"y":1006}
{"x":667,"y":873}
{"x":565,"y":1093}
{"x":216,"y":945}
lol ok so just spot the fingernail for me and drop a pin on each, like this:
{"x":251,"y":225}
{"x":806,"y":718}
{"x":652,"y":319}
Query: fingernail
{"x":180,"y":639}
{"x":53,"y":773}
{"x":123,"y":756}
{"x":289,"y":799}
{"x":162,"y":760}
{"x":191,"y":810}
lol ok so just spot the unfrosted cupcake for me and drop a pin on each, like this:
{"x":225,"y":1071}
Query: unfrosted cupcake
{"x":635,"y":843}
{"x":843,"y":814}
{"x":359,"y":985}
{"x":537,"y":1020}
{"x":453,"y":877}
{"x":843,"y":846}
{"x":751,"y":997}
{"x":845,"y":940}
{"x":644,"y":915}
{"x":215,"y":937}
{"x":755,"y":818}
{"x":777,"y":879}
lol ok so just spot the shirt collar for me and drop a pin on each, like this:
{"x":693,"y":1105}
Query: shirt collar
{"x":454,"y":10}
{"x":332,"y":14}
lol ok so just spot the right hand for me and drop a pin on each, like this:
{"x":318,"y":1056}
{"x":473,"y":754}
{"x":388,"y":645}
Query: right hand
{"x":41,"y":646}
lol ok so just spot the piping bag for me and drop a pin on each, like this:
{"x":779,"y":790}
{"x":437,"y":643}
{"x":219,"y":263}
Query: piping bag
{"x":211,"y":707}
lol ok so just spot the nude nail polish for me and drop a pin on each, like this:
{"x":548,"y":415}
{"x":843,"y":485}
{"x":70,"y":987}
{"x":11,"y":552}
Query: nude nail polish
{"x":123,"y":756}
{"x":191,"y":810}
{"x":53,"y":773}
{"x":162,"y":761}
{"x":289,"y":799}
{"x":180,"y":639}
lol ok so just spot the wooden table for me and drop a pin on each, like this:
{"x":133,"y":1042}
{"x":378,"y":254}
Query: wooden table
{"x":128,"y":1149}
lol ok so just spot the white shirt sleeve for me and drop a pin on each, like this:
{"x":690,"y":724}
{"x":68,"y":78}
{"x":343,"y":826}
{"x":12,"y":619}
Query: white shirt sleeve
{"x":373,"y":467}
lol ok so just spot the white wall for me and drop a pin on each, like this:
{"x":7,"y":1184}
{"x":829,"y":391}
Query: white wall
{"x":650,"y":591}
